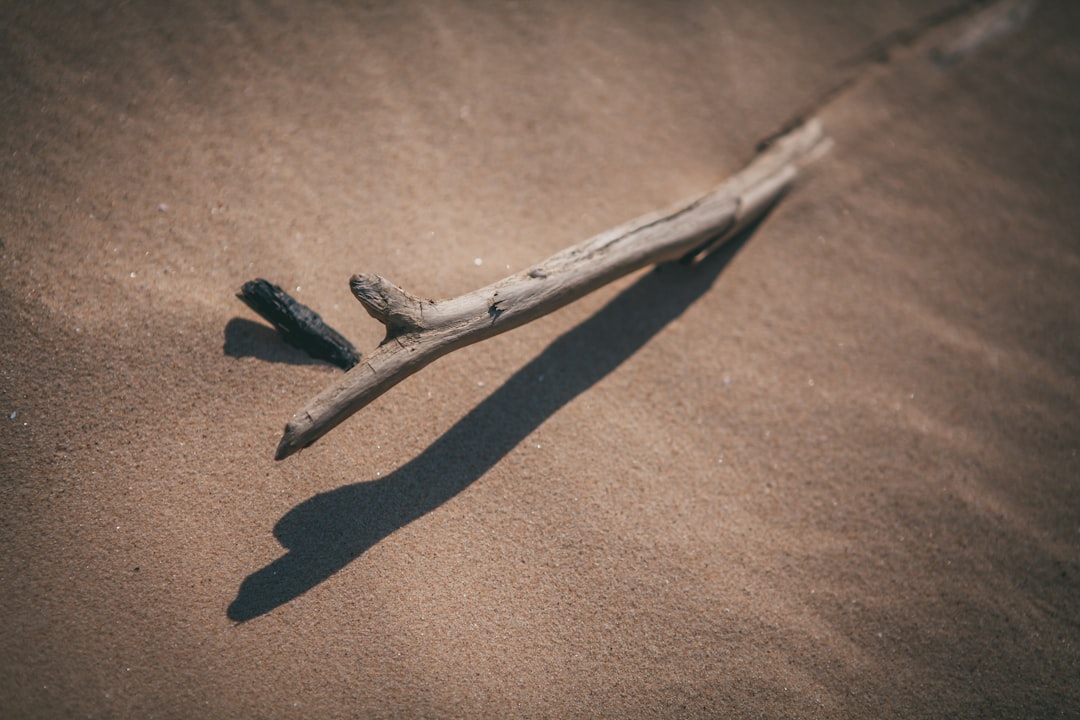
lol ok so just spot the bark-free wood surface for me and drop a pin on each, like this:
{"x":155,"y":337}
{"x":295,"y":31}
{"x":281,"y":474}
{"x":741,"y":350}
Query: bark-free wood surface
{"x":420,"y":331}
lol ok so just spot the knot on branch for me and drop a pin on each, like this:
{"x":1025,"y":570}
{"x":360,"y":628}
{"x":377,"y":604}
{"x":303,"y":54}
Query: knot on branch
{"x":400,"y":311}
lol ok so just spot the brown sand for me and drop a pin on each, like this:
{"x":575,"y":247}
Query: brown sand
{"x":834,"y":475}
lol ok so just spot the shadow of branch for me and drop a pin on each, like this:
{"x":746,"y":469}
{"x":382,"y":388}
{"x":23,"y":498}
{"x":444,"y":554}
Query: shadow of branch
{"x":328,"y":531}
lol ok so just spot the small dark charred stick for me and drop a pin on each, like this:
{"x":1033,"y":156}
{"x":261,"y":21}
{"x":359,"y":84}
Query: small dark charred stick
{"x":298,"y":324}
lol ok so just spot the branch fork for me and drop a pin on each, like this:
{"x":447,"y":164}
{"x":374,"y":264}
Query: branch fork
{"x":419,"y":331}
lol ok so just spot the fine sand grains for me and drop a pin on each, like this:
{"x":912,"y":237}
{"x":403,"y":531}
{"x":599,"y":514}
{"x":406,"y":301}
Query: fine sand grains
{"x":832,"y":475}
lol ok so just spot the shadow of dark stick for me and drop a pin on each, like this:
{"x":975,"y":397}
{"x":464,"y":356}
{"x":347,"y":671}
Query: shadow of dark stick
{"x":330,"y":530}
{"x":246,"y":338}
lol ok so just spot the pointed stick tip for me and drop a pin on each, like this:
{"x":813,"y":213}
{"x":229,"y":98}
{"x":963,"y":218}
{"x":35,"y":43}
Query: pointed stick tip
{"x":292,"y":441}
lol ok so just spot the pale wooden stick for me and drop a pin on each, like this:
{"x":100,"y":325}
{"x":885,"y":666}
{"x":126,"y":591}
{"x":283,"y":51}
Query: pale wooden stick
{"x":985,"y":26}
{"x":419,"y":331}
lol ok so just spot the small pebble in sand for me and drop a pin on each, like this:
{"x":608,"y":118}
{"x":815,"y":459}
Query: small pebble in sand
{"x":478,"y":262}
{"x":162,"y":207}
{"x":14,"y":414}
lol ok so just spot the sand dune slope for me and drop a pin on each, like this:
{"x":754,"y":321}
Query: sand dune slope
{"x":831,"y":473}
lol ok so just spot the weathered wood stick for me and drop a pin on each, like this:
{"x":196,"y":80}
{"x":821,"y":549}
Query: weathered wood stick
{"x":985,"y":26}
{"x":419,"y":331}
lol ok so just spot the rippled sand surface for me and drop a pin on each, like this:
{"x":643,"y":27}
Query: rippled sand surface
{"x":830,"y":473}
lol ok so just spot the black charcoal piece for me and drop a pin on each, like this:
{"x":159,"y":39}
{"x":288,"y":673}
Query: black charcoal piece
{"x":298,"y":324}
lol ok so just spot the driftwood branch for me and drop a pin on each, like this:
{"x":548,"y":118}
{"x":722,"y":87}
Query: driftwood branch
{"x":987,"y":25}
{"x":419,"y":331}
